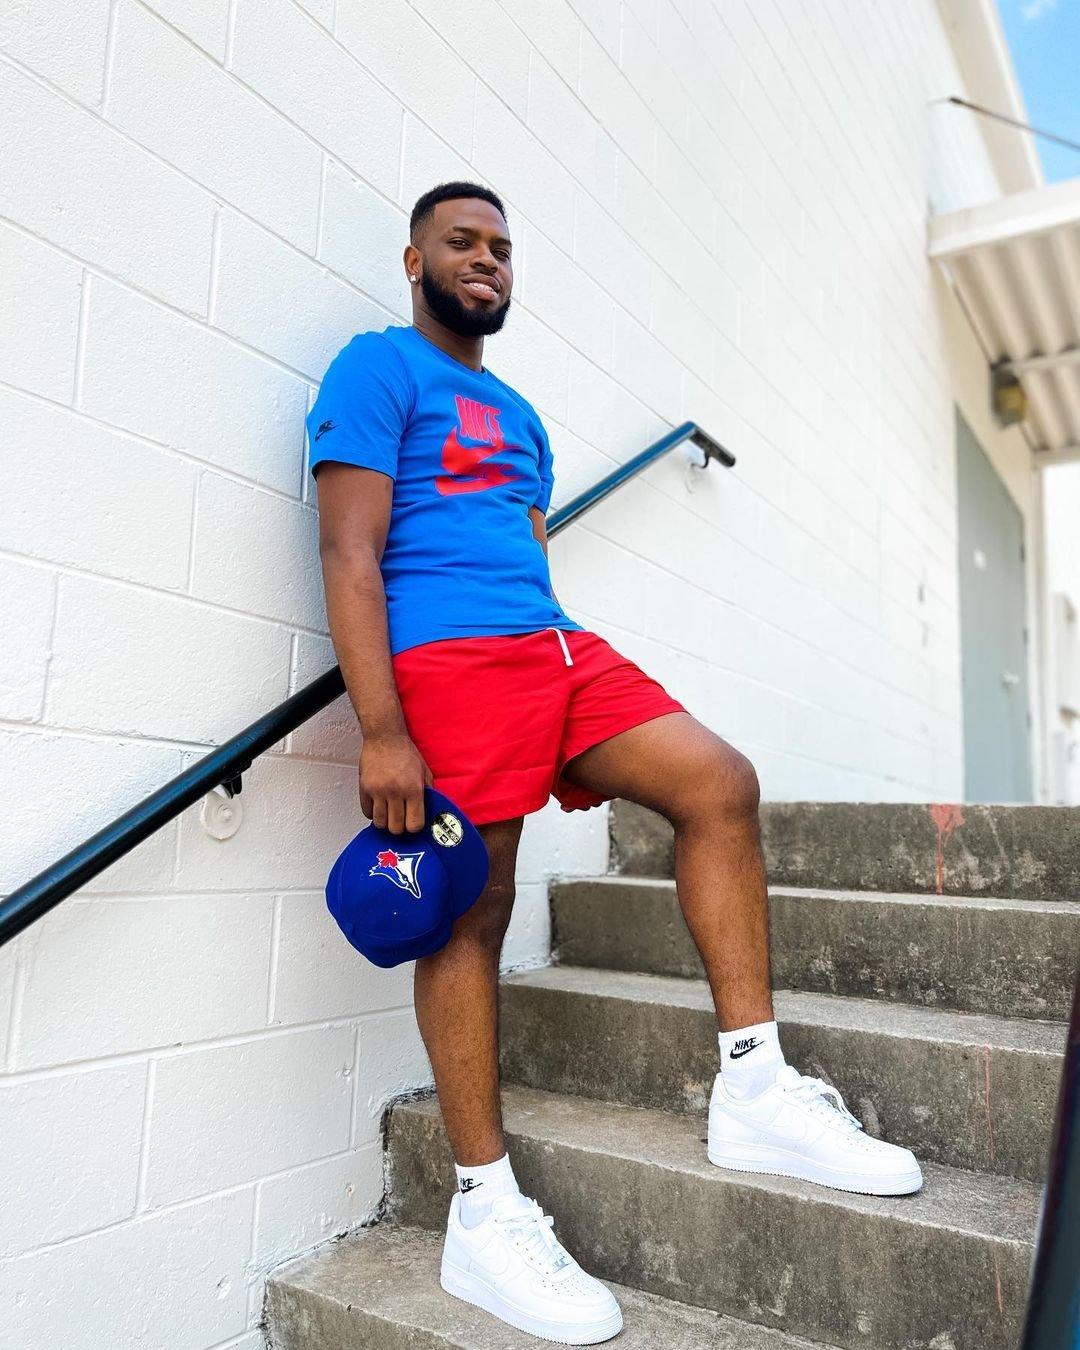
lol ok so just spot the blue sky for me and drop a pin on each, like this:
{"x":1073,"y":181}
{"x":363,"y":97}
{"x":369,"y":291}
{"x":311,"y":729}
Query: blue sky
{"x":1044,"y":39}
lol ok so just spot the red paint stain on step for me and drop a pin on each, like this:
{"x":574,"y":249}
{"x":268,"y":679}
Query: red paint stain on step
{"x":1000,"y":1299}
{"x":986,"y":1101}
{"x":947,"y":818}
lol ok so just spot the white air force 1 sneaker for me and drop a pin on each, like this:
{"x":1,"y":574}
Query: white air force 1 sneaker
{"x":800,"y":1127}
{"x":512,"y":1265}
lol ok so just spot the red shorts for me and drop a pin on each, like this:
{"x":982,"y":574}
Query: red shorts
{"x":496,"y":718}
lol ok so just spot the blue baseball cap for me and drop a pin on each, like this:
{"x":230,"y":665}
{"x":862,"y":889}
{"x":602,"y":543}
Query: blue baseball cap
{"x":396,"y":896}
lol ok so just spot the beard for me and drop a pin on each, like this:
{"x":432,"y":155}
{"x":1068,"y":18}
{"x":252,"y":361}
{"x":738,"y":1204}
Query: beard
{"x":470,"y":321}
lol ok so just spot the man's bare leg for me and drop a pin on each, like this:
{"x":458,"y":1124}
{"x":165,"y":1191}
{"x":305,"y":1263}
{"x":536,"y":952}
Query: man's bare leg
{"x":709,"y":792}
{"x":455,"y":992}
{"x":720,"y":879}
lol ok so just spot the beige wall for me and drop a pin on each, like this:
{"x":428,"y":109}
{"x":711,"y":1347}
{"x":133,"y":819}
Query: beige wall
{"x":1062,"y":496}
{"x":1008,"y":452}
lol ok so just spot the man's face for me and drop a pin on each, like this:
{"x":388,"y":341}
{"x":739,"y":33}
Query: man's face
{"x":467,"y":239}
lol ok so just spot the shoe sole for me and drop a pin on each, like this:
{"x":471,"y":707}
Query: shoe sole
{"x":472,"y":1290}
{"x":778,"y":1162}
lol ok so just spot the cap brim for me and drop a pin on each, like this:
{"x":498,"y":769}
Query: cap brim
{"x":424,"y":945}
{"x":333,"y":887}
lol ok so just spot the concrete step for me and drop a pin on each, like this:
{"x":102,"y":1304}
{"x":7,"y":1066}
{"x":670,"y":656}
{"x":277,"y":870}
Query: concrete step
{"x":637,"y":1201}
{"x":1015,"y":958}
{"x":968,"y":1091}
{"x":380,"y":1289}
{"x":1027,"y":852}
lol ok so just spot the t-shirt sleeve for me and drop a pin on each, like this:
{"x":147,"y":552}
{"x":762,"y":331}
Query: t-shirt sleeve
{"x":547,"y":471}
{"x":362,"y":407}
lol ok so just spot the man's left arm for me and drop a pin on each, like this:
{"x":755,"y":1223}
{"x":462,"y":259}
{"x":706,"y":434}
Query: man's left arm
{"x":539,"y":529}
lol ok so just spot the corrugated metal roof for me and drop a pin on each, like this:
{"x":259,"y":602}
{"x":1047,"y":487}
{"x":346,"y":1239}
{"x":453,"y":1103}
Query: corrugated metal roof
{"x":1016,"y":264}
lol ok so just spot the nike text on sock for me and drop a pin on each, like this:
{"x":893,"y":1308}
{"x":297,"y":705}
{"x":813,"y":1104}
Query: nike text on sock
{"x":750,"y":1058}
{"x":480,"y":1185}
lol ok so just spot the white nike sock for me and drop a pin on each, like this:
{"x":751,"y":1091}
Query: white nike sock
{"x":480,"y":1185}
{"x":750,"y":1058}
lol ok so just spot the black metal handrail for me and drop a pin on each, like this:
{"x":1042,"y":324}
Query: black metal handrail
{"x":224,"y":766}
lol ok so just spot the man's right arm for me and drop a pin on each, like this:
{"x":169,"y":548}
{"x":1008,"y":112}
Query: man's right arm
{"x":354,"y":517}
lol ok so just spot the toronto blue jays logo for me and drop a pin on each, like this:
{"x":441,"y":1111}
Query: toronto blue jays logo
{"x":400,"y":868}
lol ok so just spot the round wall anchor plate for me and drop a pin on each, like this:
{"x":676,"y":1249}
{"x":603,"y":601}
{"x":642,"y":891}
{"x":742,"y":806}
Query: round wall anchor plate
{"x":221,"y":816}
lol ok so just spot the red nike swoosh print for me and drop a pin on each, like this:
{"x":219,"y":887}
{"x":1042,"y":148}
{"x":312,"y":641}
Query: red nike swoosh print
{"x":460,"y":460}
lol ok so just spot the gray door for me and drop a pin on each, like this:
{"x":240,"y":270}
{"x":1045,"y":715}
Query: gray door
{"x":993,"y":630}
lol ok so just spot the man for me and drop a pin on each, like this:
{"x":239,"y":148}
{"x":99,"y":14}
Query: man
{"x":433,"y":481}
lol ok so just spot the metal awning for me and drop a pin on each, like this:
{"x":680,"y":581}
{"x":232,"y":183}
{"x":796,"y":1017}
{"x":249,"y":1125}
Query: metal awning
{"x":1016,"y":265}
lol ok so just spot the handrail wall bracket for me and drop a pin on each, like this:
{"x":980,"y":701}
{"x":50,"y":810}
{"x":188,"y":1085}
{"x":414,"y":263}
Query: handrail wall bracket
{"x":221,"y":813}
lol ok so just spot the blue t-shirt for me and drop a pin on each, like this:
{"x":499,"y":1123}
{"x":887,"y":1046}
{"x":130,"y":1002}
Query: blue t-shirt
{"x":468,"y":456}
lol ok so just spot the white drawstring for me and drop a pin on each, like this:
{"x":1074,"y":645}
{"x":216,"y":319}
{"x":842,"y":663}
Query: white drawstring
{"x":566,"y":649}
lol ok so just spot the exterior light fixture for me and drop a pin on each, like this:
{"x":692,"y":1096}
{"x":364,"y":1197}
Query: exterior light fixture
{"x":1007,"y":396}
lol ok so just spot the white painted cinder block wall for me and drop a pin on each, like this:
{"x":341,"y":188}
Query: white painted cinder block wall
{"x":718,"y":218}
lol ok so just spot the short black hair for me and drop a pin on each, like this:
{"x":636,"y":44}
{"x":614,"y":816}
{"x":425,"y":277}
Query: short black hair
{"x":424,"y":210}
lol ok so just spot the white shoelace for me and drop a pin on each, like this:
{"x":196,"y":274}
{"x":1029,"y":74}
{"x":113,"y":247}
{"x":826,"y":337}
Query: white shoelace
{"x":531,"y":1231}
{"x":823,"y":1097}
